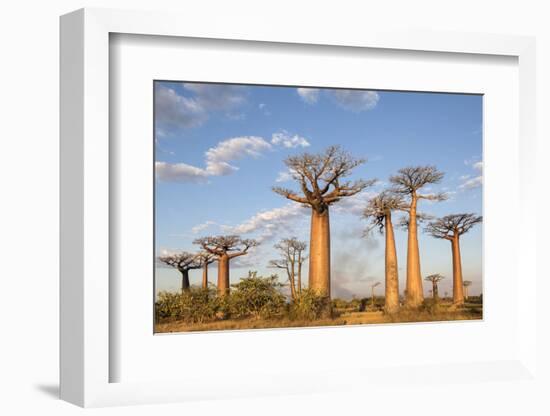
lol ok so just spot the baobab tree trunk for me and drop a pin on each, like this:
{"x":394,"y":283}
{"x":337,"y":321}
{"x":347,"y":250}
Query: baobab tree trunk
{"x":184,"y":280}
{"x":292,"y":285}
{"x":223,"y":275}
{"x":300,"y":273}
{"x":458,"y":294}
{"x":392,"y":281}
{"x":205,"y":276}
{"x":435,"y":291}
{"x":466,"y":292}
{"x":415,"y":295}
{"x":319,"y":258}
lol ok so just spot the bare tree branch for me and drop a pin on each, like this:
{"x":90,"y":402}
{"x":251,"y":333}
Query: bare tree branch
{"x":451,"y":226}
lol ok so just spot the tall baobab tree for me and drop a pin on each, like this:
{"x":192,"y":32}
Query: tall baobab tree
{"x":320,"y":179}
{"x":183,"y":262}
{"x":435,"y":279}
{"x":379,"y":212}
{"x":408,"y":182}
{"x":451,"y":228}
{"x":205,"y":259}
{"x":225,"y":248}
{"x":292,"y":258}
{"x":466,"y":284}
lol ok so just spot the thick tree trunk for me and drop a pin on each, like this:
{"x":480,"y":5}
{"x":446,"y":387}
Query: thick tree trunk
{"x":458,"y":294}
{"x":184,"y":280}
{"x":205,"y":276}
{"x":319,"y":258}
{"x":392,"y":279}
{"x":223,"y":275}
{"x":415,"y":295}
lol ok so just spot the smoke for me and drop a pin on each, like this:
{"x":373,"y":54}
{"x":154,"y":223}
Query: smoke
{"x":353,"y":257}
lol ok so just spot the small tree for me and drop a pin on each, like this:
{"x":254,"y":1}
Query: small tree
{"x":183,"y":262}
{"x":435,"y":279}
{"x":450,"y":228}
{"x":319,"y":177}
{"x":379,"y":212}
{"x":292,"y":258}
{"x":408,"y":182}
{"x":204,"y":258}
{"x":258,"y":297}
{"x":225,"y":248}
{"x":466,"y":284}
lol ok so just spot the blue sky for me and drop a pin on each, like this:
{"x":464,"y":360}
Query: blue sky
{"x":220,"y":149}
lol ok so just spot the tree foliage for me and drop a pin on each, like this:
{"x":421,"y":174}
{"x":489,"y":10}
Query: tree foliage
{"x":380,"y":206}
{"x":411,"y":179}
{"x":230,"y":245}
{"x":182,"y":261}
{"x":320,"y":178}
{"x":257,"y":297}
{"x":451,"y":226}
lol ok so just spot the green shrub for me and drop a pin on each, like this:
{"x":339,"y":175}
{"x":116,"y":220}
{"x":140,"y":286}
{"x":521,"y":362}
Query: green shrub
{"x":196,"y":305}
{"x":310,"y":306}
{"x":256,"y":297}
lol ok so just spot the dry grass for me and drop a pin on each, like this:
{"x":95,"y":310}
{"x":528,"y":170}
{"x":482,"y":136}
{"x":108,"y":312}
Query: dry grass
{"x":469,"y":312}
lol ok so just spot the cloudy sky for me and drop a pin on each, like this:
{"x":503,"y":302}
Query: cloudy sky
{"x":220,"y":149}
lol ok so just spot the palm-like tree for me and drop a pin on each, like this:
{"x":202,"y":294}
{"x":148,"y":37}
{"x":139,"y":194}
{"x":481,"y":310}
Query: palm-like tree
{"x":379,"y":213}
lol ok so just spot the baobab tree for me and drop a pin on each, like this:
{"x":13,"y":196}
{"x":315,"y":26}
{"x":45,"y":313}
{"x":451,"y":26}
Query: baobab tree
{"x":466,"y":284}
{"x":319,"y":177}
{"x":292,"y":259}
{"x":205,"y":259}
{"x":225,"y":248}
{"x":435,"y":279}
{"x":451,"y":228}
{"x":183,"y":262}
{"x":408,"y":182}
{"x":379,"y":213}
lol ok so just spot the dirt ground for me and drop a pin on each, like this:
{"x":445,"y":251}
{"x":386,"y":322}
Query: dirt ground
{"x":469,"y":312}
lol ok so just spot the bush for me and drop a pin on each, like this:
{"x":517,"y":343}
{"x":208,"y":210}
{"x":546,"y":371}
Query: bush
{"x":196,"y":305}
{"x":256,"y":297}
{"x":310,"y":306}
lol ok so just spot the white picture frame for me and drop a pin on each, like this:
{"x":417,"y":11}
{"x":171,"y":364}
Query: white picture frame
{"x":86,"y":356}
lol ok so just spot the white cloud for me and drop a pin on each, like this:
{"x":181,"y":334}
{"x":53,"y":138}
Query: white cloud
{"x":283,"y":138}
{"x":284,"y":176}
{"x":355,"y":100}
{"x":177,"y":110}
{"x":309,"y":95}
{"x":192,"y":110}
{"x":200,"y":227}
{"x":267,"y":224}
{"x":218,"y":158}
{"x":355,"y":204}
{"x":469,"y":181}
{"x":352,"y":100}
{"x":180,"y":172}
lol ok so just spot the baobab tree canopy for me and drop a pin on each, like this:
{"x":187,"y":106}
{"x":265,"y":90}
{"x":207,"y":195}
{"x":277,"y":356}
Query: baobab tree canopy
{"x":381,"y":206}
{"x":319,"y":176}
{"x":410,"y":179}
{"x":450,"y":226}
{"x":181,"y":261}
{"x":434,"y":278}
{"x":230,"y":245}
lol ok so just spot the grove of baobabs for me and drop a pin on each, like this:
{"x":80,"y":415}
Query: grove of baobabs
{"x":264,"y":302}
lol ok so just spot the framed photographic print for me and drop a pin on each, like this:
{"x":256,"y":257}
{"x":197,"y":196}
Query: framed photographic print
{"x":292,"y":214}
{"x":298,"y":221}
